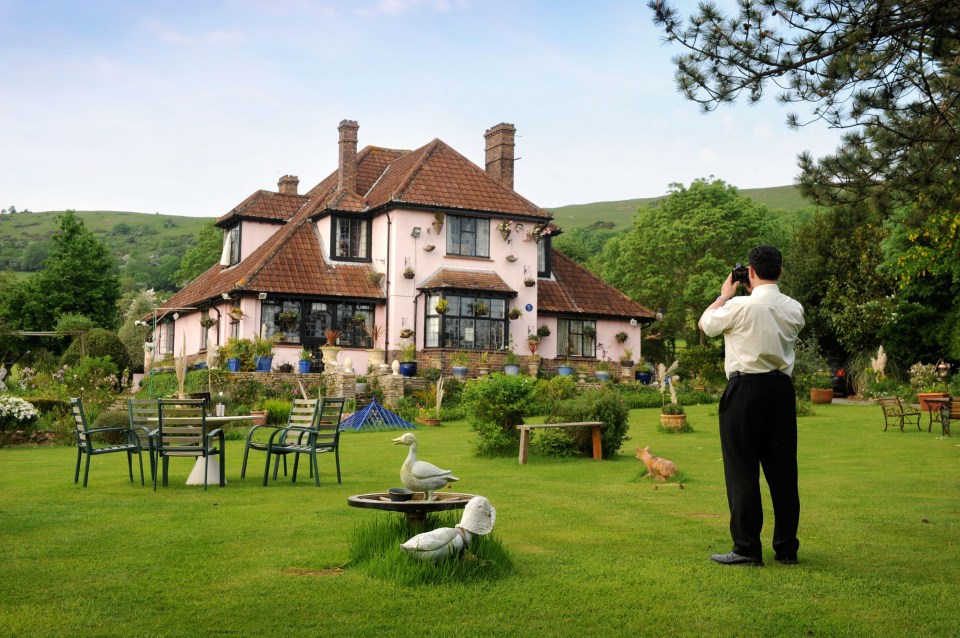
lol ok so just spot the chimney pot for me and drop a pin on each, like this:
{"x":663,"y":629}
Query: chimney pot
{"x":288,"y":185}
{"x":347,"y":171}
{"x":499,"y":151}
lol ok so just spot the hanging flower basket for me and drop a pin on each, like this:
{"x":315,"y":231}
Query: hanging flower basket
{"x":504,"y":229}
{"x":236,"y":313}
{"x":480,"y":309}
{"x":442,"y":306}
{"x":207,"y":322}
{"x":529,"y":282}
{"x":515,"y":313}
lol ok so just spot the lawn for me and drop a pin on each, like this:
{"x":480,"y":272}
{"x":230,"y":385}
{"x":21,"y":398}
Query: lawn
{"x":595,"y":552}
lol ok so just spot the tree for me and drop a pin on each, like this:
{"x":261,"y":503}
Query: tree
{"x":676,"y":255}
{"x":78,"y":277}
{"x":202,"y":256}
{"x":886,"y":72}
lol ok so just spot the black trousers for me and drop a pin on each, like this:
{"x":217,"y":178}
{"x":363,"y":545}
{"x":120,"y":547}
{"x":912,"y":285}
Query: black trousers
{"x":758,"y":429}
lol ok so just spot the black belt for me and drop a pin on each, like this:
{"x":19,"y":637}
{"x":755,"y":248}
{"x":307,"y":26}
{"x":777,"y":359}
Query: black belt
{"x":772,"y":373}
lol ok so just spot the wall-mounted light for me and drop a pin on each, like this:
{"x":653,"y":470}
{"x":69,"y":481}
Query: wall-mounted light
{"x":226,"y":296}
{"x":176,"y":316}
{"x":519,"y":226}
{"x":633,"y":322}
{"x":140,"y":323}
{"x":262,"y":296}
{"x":415,"y":232}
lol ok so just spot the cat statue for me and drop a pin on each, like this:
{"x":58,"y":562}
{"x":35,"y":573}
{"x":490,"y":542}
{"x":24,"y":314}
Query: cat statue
{"x":657,"y":468}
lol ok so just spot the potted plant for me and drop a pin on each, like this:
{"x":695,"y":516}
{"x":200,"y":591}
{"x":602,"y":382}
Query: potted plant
{"x":459,"y":361}
{"x":263,"y":353}
{"x":304,"y":360}
{"x":288,"y":320}
{"x":533,"y":363}
{"x":407,"y":355}
{"x":504,"y":229}
{"x":438,"y":218}
{"x":480,"y":309}
{"x":236,"y":313}
{"x":511,"y":363}
{"x":603,"y":371}
{"x":442,"y":306}
{"x":428,"y":248}
{"x":621,"y":337}
{"x":483,"y":364}
{"x":207,"y":322}
{"x":543,"y":331}
{"x":928,"y":385}
{"x":330,"y":349}
{"x":672,"y":416}
{"x":529,"y":282}
{"x":375,"y":355}
{"x":515,"y":313}
{"x":589,"y":331}
{"x":361,"y":384}
{"x":626,"y":359}
{"x":821,"y":390}
{"x":511,"y":258}
{"x":643,"y":372}
{"x":406,"y":333}
{"x":375,"y":277}
{"x":408,"y":272}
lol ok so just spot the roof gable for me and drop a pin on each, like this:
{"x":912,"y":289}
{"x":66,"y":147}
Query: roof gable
{"x":576,"y":290}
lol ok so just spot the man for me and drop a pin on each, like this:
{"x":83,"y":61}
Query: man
{"x":758,"y":414}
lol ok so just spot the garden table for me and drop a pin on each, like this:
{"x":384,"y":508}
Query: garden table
{"x":416,"y":509}
{"x":213,"y":466}
{"x":525,"y":436}
{"x":937,"y":404}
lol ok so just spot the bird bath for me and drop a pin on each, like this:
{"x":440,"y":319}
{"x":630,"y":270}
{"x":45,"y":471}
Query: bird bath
{"x":416,"y":509}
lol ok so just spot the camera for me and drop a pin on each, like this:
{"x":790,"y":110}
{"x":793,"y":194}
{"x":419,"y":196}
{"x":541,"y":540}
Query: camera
{"x":740,"y":274}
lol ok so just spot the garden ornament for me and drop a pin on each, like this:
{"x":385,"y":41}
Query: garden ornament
{"x":478,"y":518}
{"x":657,"y":468}
{"x":421,"y":476}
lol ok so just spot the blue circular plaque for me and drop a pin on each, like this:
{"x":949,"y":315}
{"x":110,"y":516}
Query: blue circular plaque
{"x":529,"y":307}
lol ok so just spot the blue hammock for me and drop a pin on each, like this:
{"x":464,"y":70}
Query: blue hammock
{"x":374,"y":418}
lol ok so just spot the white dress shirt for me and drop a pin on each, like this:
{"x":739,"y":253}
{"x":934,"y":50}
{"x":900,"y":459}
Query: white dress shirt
{"x":759,"y":330}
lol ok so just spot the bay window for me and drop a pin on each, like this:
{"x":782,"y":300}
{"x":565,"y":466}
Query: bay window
{"x":471,"y":321}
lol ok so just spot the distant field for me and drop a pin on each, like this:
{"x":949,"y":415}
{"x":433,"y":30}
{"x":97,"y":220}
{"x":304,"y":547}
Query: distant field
{"x":786,"y":201}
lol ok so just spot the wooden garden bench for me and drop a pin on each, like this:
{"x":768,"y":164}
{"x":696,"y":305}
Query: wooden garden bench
{"x":893,"y":411}
{"x":525,"y":436}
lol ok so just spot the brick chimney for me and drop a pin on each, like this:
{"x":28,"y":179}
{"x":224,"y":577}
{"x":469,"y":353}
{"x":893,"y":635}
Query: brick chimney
{"x":347,"y":171}
{"x":499,"y":149}
{"x":288,"y":185}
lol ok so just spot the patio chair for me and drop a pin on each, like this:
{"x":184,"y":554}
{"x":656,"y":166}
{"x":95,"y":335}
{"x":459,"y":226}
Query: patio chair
{"x":324,"y":436}
{"x":143,"y":421}
{"x":86,"y":444}
{"x":948,"y":412}
{"x":303,"y":414}
{"x":182,"y":432}
{"x":894,"y":412}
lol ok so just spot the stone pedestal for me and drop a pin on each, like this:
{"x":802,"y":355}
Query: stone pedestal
{"x":392,"y":386}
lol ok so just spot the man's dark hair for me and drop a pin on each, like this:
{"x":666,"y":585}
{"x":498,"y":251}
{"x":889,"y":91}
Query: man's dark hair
{"x":766,"y":262}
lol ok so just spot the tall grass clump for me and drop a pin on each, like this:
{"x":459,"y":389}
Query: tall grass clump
{"x":375,"y":549}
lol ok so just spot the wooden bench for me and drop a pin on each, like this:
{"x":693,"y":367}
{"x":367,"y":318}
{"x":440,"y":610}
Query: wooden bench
{"x":894,"y":412}
{"x":525,"y":436}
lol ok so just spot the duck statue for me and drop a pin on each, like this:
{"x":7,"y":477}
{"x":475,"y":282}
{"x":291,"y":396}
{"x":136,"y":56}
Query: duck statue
{"x":420,"y":476}
{"x":478,"y":519}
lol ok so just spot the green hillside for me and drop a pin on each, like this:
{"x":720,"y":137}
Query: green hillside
{"x":785,"y":201}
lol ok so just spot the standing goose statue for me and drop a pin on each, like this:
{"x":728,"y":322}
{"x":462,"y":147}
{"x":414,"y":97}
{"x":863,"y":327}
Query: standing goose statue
{"x":478,"y":518}
{"x":420,"y":476}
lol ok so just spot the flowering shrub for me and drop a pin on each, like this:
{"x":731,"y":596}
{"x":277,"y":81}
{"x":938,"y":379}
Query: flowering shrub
{"x":15,"y":412}
{"x":924,"y":378}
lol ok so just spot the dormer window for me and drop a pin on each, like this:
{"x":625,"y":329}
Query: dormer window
{"x":231,"y":246}
{"x":351,"y":239}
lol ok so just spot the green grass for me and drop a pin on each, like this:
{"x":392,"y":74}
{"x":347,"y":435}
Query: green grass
{"x":594,"y":550}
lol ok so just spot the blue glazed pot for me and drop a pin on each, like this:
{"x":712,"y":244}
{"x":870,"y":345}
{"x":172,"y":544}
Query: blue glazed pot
{"x":602,"y":375}
{"x":408,"y":368}
{"x":513,"y":369}
{"x":263,"y":363}
{"x":233,"y":365}
{"x":564,"y":371}
{"x":304,"y":366}
{"x":460,"y":372}
{"x":643,"y":377}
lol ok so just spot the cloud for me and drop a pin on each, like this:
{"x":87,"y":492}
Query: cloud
{"x":398,"y":7}
{"x":707,"y":157}
{"x":170,"y":35}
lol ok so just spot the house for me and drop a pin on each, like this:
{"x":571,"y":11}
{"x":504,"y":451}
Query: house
{"x":379,"y":243}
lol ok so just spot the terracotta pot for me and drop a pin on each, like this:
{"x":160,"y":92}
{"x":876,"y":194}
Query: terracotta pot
{"x":927,"y":406}
{"x":260,"y":417}
{"x":673,"y":421}
{"x":821,"y":395}
{"x":431,"y":422}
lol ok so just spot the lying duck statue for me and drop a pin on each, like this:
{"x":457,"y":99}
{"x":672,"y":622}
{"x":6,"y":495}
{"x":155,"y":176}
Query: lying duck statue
{"x":421,"y":476}
{"x":478,"y":518}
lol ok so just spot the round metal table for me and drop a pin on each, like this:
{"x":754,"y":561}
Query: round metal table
{"x":416,"y":509}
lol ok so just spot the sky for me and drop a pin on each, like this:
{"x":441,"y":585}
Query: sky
{"x":188,"y":107}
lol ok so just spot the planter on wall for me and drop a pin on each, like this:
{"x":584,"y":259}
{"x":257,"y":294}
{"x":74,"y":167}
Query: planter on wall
{"x":408,"y":368}
{"x":564,"y":371}
{"x":602,"y":375}
{"x":460,"y":372}
{"x":233,"y":365}
{"x":304,"y":366}
{"x":263,"y":363}
{"x":821,"y":395}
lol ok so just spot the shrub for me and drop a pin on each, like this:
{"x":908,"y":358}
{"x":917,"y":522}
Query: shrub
{"x":703,"y":361}
{"x":496,"y":405}
{"x":99,"y":343}
{"x":15,"y":413}
{"x":94,"y":379}
{"x":279,"y":411}
{"x":596,"y":405}
{"x":112,"y":419}
{"x":550,"y":392}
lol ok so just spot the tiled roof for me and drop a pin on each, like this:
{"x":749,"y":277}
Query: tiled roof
{"x":452,"y":278}
{"x":437,"y":175}
{"x":576,"y":290}
{"x":289,"y":262}
{"x":265,"y":206}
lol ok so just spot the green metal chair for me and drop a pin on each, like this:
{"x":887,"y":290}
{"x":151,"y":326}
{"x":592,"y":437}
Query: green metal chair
{"x":182,"y":432}
{"x":86,"y":445}
{"x":143,"y":421}
{"x":323,"y":436}
{"x":303,"y":414}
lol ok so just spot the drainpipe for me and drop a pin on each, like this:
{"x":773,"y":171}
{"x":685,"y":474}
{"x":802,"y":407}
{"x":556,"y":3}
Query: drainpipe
{"x":386,"y":318}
